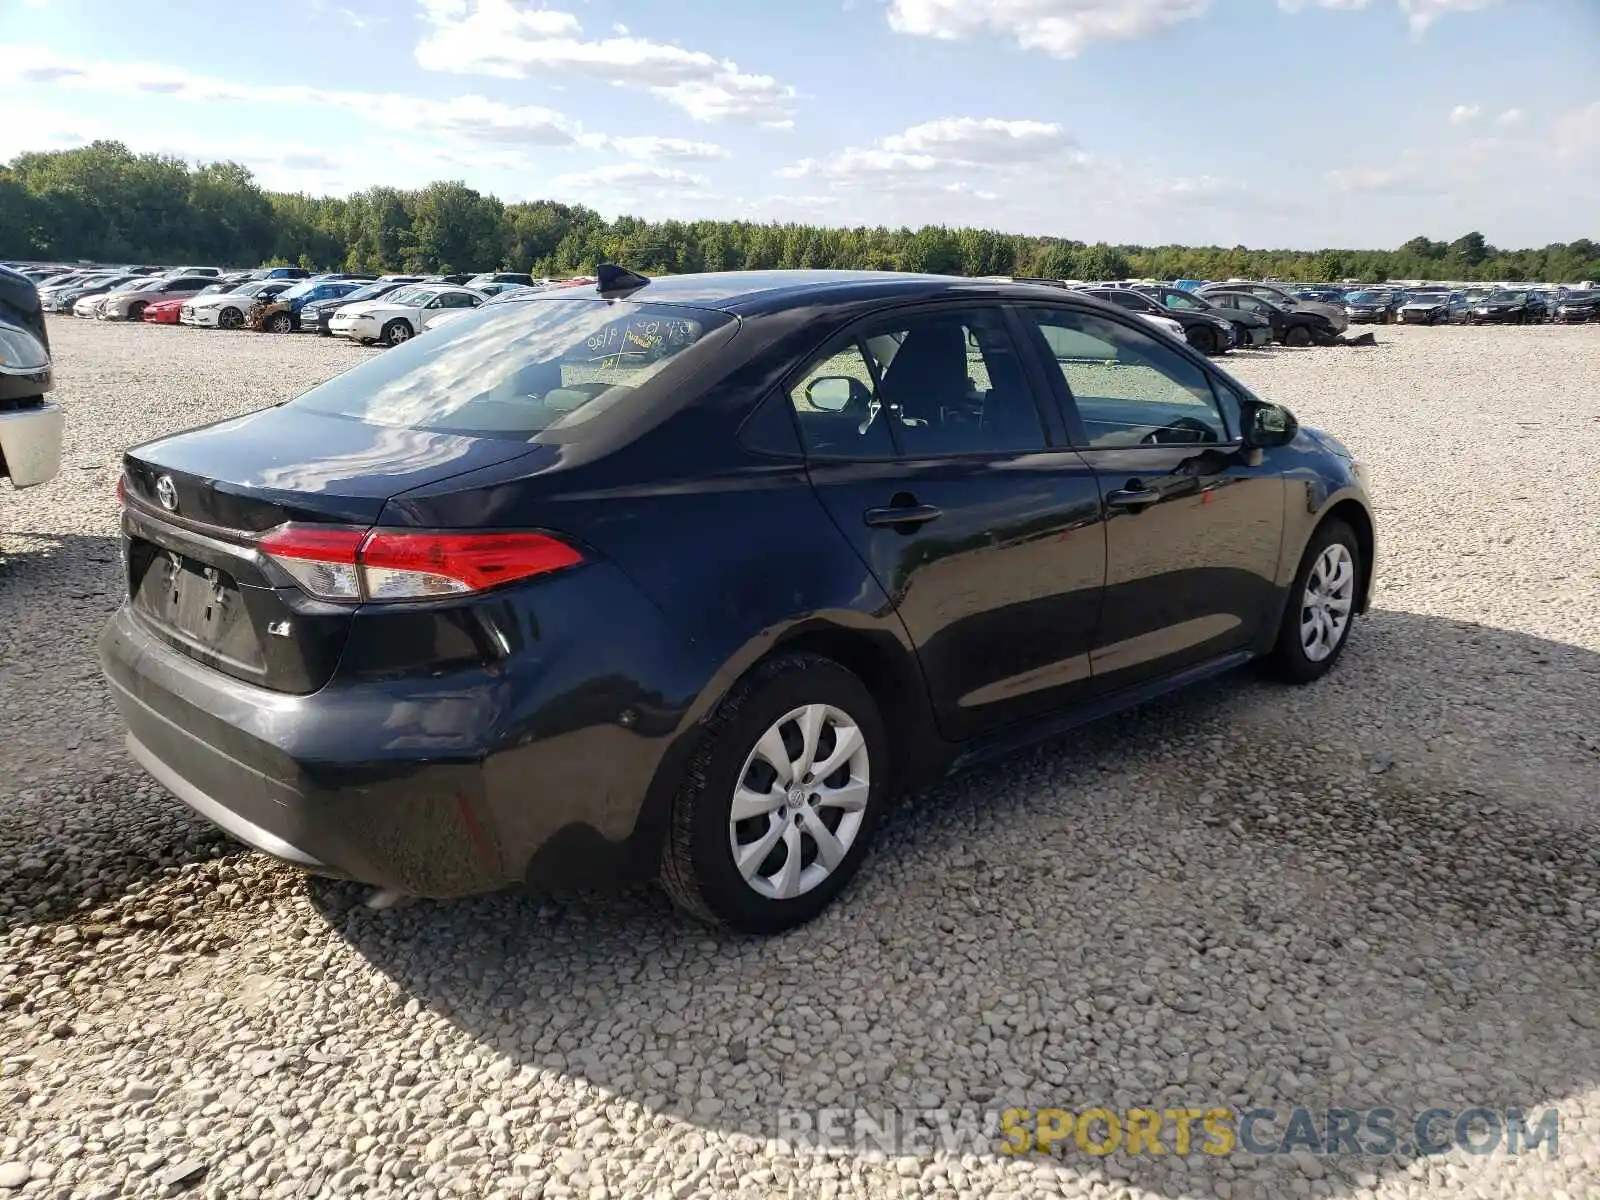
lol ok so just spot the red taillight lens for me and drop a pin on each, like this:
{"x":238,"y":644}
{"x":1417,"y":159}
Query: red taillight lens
{"x":322,"y":558}
{"x":122,"y":490}
{"x":447,"y":563}
{"x":334,"y":562}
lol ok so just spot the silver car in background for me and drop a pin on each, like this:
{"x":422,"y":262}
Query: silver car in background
{"x":128,"y":303}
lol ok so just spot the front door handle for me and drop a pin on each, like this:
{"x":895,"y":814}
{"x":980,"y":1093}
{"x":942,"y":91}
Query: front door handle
{"x":1135,"y":498}
{"x":905,"y":516}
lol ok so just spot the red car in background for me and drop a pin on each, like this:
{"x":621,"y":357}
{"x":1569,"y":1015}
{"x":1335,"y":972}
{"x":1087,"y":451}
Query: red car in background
{"x":163,"y":312}
{"x":166,"y":312}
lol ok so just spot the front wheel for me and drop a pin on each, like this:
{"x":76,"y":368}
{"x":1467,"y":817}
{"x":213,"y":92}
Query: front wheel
{"x":1322,"y":605}
{"x":395,"y":332}
{"x":280,"y":323}
{"x":1298,"y":335}
{"x":1205,"y":341}
{"x":230,"y":318}
{"x":780,"y":802}
{"x":136,"y":311}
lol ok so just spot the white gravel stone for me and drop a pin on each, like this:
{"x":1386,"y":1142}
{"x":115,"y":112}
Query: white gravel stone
{"x":1383,"y":889}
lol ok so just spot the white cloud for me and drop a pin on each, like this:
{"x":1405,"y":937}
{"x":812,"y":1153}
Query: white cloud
{"x":1300,"y":5}
{"x":1062,"y":28}
{"x":951,"y":146}
{"x":980,"y":139}
{"x":1511,"y":116}
{"x":1419,"y":13}
{"x":472,"y":118}
{"x":1461,"y":114}
{"x":1575,"y":135}
{"x":1025,"y":175}
{"x":498,"y":37}
{"x":1423,"y":13}
{"x":679,"y":149}
{"x":1373,"y":179}
{"x":631,"y":173}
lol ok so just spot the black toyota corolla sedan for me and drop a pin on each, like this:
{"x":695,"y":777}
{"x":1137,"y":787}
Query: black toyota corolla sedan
{"x":683,"y":578}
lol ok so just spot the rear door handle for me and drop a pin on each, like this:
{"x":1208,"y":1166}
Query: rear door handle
{"x":1134,"y":498}
{"x":907,"y":515}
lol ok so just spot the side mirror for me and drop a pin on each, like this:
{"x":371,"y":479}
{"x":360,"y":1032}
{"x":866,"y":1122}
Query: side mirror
{"x":1267,"y":425}
{"x":833,"y":393}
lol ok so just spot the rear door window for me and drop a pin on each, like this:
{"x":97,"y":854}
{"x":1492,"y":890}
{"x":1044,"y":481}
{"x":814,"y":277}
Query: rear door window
{"x":926,"y":384}
{"x":953,"y":384}
{"x":837,"y":408}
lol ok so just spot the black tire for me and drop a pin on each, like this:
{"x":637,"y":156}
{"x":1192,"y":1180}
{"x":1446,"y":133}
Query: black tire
{"x":1297,"y":335}
{"x":136,"y":310}
{"x":1288,"y":659}
{"x":1204,"y":339}
{"x":698,"y":870}
{"x":230,"y":318}
{"x":280,"y":323}
{"x":397,"y":331}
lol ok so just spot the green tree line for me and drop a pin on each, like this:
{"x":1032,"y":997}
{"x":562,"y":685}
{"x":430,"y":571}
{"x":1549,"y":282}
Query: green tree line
{"x":103,"y":203}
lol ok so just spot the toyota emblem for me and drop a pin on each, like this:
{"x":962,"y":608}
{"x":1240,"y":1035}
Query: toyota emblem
{"x":167,"y":493}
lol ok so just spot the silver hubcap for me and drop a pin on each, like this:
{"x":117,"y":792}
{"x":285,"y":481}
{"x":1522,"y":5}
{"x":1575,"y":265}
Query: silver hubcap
{"x":800,"y":801}
{"x":399,"y":334}
{"x":1325,"y":607}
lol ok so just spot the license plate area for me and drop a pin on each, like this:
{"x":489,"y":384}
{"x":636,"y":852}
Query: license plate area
{"x":197,"y":604}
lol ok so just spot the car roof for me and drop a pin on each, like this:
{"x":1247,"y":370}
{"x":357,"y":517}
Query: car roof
{"x":748,"y":293}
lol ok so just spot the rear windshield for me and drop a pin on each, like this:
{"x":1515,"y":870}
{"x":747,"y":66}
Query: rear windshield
{"x":515,"y":370}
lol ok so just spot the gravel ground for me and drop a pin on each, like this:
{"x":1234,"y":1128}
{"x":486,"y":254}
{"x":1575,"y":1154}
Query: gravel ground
{"x":1379,"y":890}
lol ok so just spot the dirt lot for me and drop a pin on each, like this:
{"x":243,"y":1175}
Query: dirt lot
{"x":1377,"y":891}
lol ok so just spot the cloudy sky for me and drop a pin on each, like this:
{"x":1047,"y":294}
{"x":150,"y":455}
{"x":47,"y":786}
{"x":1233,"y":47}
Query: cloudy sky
{"x":1301,"y":123}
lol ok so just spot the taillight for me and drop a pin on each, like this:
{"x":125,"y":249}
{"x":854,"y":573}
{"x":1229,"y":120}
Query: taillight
{"x":337,"y":562}
{"x":122,"y":490}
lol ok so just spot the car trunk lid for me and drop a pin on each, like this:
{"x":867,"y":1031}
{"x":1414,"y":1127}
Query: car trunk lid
{"x":198,"y":503}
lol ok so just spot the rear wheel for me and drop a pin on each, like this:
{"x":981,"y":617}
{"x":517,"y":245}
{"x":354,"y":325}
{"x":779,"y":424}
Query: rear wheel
{"x":779,"y":804}
{"x":1322,"y":605}
{"x":395,"y":332}
{"x":230,"y":318}
{"x":1297,"y":335}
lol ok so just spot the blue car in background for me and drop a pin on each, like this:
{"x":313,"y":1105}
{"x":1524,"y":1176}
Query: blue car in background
{"x":283,"y":314}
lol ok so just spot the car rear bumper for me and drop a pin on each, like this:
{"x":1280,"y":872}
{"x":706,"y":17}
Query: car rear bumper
{"x":533,"y":771}
{"x":30,"y":444}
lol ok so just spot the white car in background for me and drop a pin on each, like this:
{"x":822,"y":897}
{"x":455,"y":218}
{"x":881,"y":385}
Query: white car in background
{"x":228,"y":307}
{"x":1166,"y":324}
{"x":399,"y":316}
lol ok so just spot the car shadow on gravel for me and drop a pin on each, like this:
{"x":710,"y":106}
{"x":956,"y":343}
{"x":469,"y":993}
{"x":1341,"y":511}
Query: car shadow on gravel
{"x":1338,"y":906}
{"x":1245,"y":896}
{"x":81,"y":827}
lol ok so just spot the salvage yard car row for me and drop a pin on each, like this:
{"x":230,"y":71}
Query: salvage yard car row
{"x":1214,"y":318}
{"x":390,"y":310}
